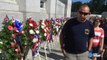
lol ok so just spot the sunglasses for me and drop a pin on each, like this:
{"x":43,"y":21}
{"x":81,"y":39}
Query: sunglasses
{"x":83,"y":13}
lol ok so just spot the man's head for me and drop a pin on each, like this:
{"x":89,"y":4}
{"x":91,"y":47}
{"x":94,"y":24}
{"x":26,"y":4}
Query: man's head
{"x":83,"y":13}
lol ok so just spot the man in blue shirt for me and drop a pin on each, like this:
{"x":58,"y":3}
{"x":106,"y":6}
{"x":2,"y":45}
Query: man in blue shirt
{"x":76,"y":34}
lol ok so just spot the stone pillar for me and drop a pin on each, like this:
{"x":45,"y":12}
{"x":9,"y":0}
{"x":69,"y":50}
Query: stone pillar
{"x":50,"y":7}
{"x":60,"y":9}
{"x":55,"y":8}
{"x":68,"y":8}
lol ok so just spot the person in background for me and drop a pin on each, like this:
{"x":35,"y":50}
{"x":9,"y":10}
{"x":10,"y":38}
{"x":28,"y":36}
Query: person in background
{"x":104,"y":26}
{"x":97,"y":42}
{"x":76,"y":34}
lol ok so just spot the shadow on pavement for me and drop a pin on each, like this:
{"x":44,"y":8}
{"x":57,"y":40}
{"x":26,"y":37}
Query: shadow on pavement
{"x":59,"y":51}
{"x":53,"y":56}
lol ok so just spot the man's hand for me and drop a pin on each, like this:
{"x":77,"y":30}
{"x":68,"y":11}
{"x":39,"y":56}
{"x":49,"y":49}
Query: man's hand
{"x":63,"y":52}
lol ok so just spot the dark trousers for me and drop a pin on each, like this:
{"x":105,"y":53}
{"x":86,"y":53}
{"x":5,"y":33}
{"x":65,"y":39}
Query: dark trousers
{"x":105,"y":54}
{"x":105,"y":47}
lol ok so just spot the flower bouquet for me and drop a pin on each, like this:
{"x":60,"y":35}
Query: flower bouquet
{"x":10,"y":45}
{"x":31,"y":30}
{"x":44,"y":29}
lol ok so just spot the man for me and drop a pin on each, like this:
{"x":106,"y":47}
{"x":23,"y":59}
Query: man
{"x":75,"y":35}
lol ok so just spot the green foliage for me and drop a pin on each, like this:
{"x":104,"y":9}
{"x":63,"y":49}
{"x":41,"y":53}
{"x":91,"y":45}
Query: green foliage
{"x":96,"y":6}
{"x":75,"y":6}
{"x":41,"y":34}
{"x":6,"y":39}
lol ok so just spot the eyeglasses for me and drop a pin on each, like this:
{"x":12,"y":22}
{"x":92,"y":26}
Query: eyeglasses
{"x":83,"y":13}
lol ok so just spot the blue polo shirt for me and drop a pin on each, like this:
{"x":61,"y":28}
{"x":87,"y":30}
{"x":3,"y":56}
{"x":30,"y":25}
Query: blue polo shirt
{"x":76,"y":35}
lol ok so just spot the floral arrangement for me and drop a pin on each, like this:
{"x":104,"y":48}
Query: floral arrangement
{"x":56,"y":26}
{"x":49,"y":34}
{"x":15,"y":37}
{"x":31,"y":30}
{"x":10,"y":44}
{"x":43,"y":30}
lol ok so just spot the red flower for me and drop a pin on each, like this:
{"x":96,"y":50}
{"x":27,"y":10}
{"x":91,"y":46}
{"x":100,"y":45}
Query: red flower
{"x":43,"y":31}
{"x":50,"y":21}
{"x":12,"y":44}
{"x":40,"y":22}
{"x":17,"y":50}
{"x":32,"y":22}
{"x":13,"y":35}
{"x":46,"y":22}
{"x":31,"y":36}
{"x":15,"y":29}
{"x":14,"y":24}
{"x":10,"y":27}
{"x":29,"y":27}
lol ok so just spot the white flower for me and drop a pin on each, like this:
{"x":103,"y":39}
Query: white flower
{"x":16,"y":49}
{"x":40,"y":36}
{"x":45,"y":34}
{"x":1,"y":42}
{"x":23,"y":32}
{"x":42,"y":26}
{"x":13,"y":21}
{"x":31,"y":24}
{"x":45,"y":30}
{"x":37,"y":44}
{"x":35,"y":40}
{"x":31,"y":31}
{"x":17,"y":31}
{"x":0,"y":51}
{"x":37,"y":31}
{"x":43,"y":22}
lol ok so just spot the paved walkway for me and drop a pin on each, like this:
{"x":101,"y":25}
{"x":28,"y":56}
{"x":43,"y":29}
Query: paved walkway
{"x":54,"y":54}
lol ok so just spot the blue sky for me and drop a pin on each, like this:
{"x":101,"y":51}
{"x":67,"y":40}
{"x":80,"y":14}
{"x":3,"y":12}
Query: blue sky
{"x":83,"y":1}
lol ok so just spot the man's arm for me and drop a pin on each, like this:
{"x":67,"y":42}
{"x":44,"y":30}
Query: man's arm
{"x":102,"y":40}
{"x":61,"y":43}
{"x":90,"y":45}
{"x":101,"y":44}
{"x":91,"y":35}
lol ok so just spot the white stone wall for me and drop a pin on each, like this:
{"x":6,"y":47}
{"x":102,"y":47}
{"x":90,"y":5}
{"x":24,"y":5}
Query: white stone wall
{"x":33,"y":9}
{"x":9,"y":1}
{"x":22,"y":9}
{"x":33,"y":5}
{"x":52,"y":8}
{"x":9,"y":8}
{"x":68,"y":12}
{"x":60,"y":8}
{"x":55,"y":8}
